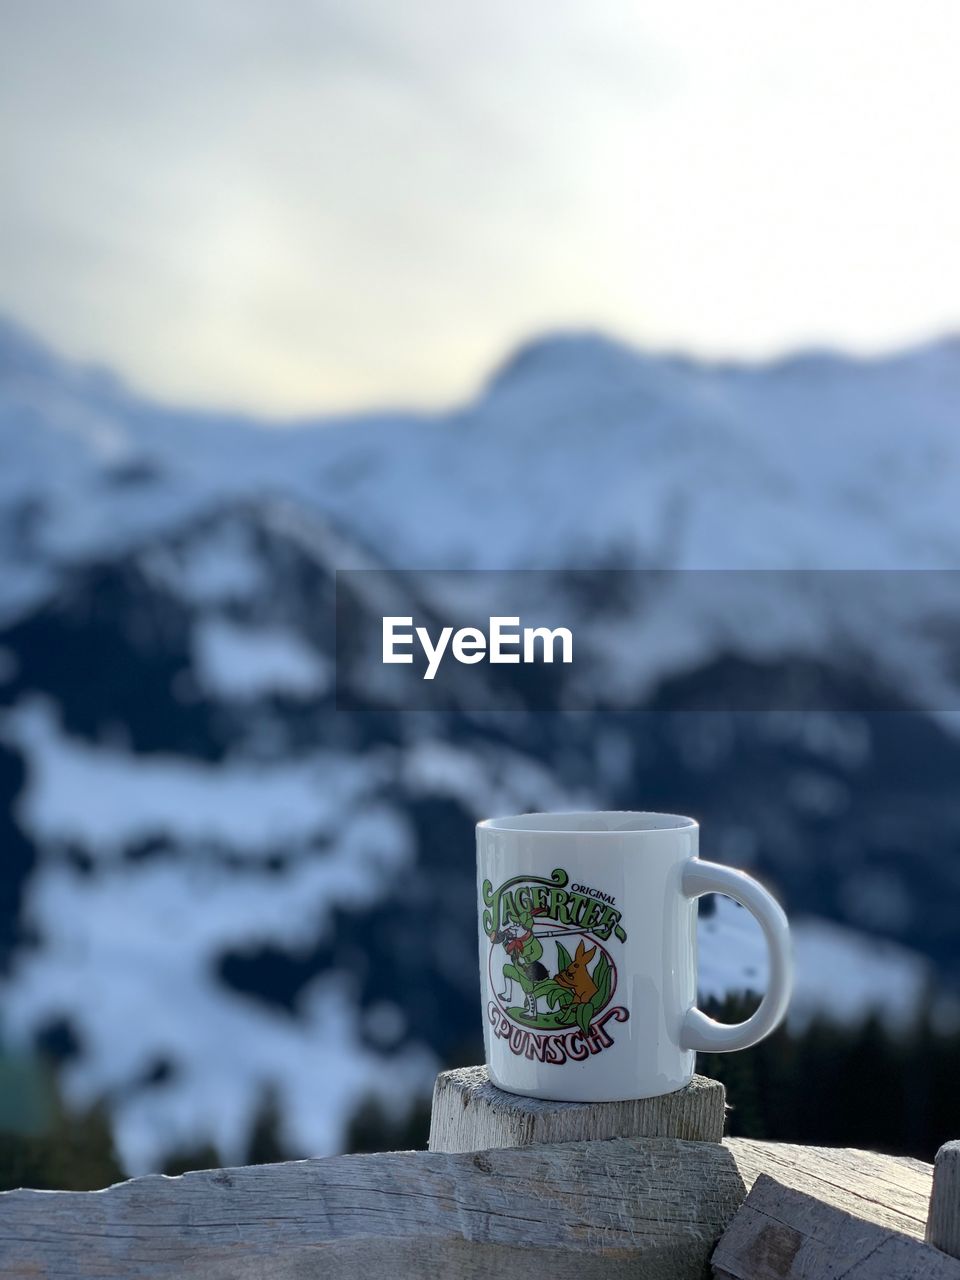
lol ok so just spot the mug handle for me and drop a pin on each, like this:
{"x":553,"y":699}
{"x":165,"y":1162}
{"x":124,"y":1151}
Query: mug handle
{"x":704,"y":1034}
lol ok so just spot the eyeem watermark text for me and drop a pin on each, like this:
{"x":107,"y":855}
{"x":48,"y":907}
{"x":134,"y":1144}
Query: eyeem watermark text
{"x":504,"y":641}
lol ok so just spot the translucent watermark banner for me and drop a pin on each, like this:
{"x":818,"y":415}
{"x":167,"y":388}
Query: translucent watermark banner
{"x":578,"y":640}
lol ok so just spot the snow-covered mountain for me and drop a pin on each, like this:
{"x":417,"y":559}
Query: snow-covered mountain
{"x":580,"y":453}
{"x":218,"y":886}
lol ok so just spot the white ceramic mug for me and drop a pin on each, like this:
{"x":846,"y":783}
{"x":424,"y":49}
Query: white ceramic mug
{"x":588,"y":954}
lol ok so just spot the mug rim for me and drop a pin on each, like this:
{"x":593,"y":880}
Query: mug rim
{"x":583,"y":822}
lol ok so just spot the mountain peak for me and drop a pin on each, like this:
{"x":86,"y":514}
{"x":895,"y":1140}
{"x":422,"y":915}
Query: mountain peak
{"x":564,"y":352}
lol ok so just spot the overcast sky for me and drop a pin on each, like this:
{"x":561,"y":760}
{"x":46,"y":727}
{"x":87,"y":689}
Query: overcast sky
{"x":299,"y":205}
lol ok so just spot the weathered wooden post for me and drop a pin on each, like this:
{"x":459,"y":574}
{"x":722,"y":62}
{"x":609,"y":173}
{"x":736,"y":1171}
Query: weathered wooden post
{"x":471,"y":1114}
{"x":943,"y":1221}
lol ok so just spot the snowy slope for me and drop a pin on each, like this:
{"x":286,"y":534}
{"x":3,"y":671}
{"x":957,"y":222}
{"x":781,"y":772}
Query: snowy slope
{"x":879,"y":978}
{"x":579,"y":453}
{"x":227,"y":888}
{"x":214,"y":861}
{"x":578,"y":450}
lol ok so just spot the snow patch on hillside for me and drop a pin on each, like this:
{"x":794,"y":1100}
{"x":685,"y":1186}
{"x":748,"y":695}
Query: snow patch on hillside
{"x":246,"y":662}
{"x":841,"y":975}
{"x":485,"y":781}
{"x":218,"y":568}
{"x":129,"y":959}
{"x":106,"y":800}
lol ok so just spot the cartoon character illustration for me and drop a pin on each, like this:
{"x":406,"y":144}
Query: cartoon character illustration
{"x":576,"y":979}
{"x":524,"y":965}
{"x":565,"y":993}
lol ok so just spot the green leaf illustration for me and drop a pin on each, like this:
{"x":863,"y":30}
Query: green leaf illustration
{"x":603,"y":977}
{"x":563,"y":957}
{"x":584,"y":1016}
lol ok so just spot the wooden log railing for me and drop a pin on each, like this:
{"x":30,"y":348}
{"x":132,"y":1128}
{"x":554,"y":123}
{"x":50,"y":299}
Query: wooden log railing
{"x":642,"y":1205}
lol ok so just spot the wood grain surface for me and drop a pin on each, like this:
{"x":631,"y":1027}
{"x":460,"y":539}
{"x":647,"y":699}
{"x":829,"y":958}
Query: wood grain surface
{"x":471,"y":1114}
{"x":646,"y":1207}
{"x":783,"y":1234}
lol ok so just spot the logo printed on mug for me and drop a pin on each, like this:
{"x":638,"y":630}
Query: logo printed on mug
{"x":550,"y":952}
{"x":588,"y":959}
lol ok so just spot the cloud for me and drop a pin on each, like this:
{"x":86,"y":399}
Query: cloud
{"x":304,"y":205}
